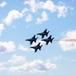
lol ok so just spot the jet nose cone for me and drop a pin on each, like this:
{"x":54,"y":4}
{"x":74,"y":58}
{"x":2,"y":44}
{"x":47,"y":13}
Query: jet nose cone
{"x":38,"y":33}
{"x":26,"y":39}
{"x":42,"y":40}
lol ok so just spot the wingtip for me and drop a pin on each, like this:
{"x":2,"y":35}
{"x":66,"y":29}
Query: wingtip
{"x":35,"y":51}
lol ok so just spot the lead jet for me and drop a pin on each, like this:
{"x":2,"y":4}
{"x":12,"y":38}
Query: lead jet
{"x":49,"y":39}
{"x":45,"y":32}
{"x":37,"y":47}
{"x":33,"y":39}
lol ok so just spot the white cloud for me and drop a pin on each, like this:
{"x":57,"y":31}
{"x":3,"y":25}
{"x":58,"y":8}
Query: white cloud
{"x":44,"y":17}
{"x":1,"y":28}
{"x":3,"y":4}
{"x":68,"y":43}
{"x":2,"y":67}
{"x":47,"y":5}
{"x":28,"y":18}
{"x":62,"y":11}
{"x":61,"y":8}
{"x":32,"y":4}
{"x":12,"y":15}
{"x":34,"y":66}
{"x":24,"y":10}
{"x":21,"y":47}
{"x":56,"y":58}
{"x":7,"y":46}
{"x":17,"y":59}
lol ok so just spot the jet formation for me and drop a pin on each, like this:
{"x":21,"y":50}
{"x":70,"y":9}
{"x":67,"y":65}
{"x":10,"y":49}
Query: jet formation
{"x":34,"y":39}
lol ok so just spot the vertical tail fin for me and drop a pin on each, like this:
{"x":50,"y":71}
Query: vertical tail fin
{"x":38,"y":44}
{"x":50,"y":37}
{"x":33,"y":36}
{"x":52,"y":40}
{"x":47,"y":33}
{"x":36,"y":39}
{"x":40,"y":47}
{"x":45,"y":30}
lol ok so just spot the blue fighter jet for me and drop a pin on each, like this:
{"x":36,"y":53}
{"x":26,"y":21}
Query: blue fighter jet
{"x":38,"y":46}
{"x":45,"y":32}
{"x":49,"y":39}
{"x":33,"y":39}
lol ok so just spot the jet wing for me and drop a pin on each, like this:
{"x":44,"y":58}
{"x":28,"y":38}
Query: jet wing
{"x":50,"y":37}
{"x":31,"y":42}
{"x":35,"y":50}
{"x":42,"y":36}
{"x":47,"y":42}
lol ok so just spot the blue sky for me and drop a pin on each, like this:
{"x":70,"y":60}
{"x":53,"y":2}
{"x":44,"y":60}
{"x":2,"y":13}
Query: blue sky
{"x":21,"y":19}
